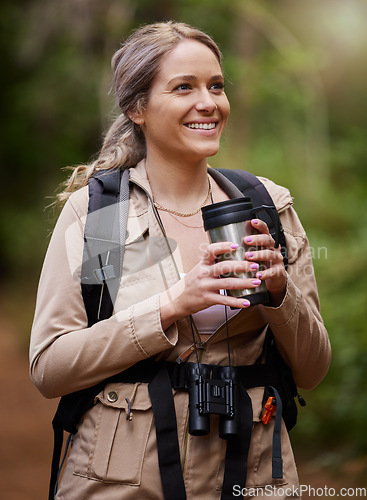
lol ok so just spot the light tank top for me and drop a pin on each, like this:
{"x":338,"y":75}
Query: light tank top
{"x":210,"y":319}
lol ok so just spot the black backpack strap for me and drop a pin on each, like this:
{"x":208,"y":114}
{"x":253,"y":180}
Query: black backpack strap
{"x":160,"y":392}
{"x":238,"y":448}
{"x":251,"y":186}
{"x":277,"y":461}
{"x":284,"y":381}
{"x":104,"y":242}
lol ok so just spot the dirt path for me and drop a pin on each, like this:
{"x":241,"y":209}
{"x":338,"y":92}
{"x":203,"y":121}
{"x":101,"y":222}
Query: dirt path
{"x":25,"y":425}
{"x":26,"y":434}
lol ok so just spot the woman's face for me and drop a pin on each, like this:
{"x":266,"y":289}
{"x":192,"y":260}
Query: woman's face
{"x":187,"y":108}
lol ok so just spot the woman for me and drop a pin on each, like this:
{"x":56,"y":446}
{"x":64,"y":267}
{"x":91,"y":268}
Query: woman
{"x":170,"y":88}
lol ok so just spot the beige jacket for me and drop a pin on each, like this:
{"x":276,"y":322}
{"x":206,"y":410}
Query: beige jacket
{"x":115,"y":458}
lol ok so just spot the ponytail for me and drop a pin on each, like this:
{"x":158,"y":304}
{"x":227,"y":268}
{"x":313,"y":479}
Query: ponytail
{"x":123,"y":147}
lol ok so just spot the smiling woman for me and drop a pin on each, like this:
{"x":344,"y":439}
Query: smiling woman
{"x":176,"y":338}
{"x":185,"y":115}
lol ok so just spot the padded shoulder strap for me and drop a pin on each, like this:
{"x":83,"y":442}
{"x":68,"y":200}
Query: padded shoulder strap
{"x":104,"y":242}
{"x":251,"y":186}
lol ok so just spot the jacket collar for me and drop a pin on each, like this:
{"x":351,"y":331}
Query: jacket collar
{"x":138,"y":176}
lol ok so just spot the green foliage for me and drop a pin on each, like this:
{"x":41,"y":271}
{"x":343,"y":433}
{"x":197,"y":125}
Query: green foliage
{"x":297,"y":89}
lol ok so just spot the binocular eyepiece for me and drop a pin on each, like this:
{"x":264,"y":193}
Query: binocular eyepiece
{"x":212,"y":390}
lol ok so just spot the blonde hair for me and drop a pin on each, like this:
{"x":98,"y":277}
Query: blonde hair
{"x":134,"y":66}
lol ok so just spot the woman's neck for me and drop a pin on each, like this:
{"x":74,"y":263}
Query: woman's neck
{"x":175,"y":185}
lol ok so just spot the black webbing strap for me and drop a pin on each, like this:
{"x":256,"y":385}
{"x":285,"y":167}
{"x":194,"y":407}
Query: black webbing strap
{"x":160,"y":391}
{"x":235,"y":471}
{"x":277,"y":461}
{"x":55,"y":464}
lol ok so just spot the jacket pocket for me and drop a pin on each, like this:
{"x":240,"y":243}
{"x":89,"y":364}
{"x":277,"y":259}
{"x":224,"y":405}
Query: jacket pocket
{"x":122,"y":427}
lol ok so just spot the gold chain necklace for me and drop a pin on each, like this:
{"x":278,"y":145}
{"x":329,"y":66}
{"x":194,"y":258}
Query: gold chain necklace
{"x":186,"y":225}
{"x":190,"y":214}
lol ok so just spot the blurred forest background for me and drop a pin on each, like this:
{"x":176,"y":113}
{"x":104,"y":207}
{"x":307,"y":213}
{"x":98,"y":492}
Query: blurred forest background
{"x":297,"y":81}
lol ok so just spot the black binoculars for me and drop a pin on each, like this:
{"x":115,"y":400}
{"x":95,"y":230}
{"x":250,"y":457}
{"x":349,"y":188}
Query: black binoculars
{"x":212,"y":389}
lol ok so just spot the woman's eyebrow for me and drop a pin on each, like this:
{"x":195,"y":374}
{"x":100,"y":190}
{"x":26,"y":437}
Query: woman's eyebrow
{"x":189,"y":78}
{"x":182,"y":78}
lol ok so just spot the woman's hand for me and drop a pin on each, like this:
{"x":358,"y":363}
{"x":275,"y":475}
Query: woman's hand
{"x":272,"y":270}
{"x":200,"y":288}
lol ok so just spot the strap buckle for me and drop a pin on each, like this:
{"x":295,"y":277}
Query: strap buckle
{"x":104,"y":273}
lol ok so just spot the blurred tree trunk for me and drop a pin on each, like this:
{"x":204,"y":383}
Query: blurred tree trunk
{"x":245,"y":43}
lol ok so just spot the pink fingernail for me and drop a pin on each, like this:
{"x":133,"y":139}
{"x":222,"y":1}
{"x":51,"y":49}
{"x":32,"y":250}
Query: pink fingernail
{"x":259,"y":275}
{"x":246,"y":303}
{"x":254,"y":266}
{"x":249,"y":255}
{"x":248,"y":239}
{"x":255,"y":221}
{"x":256,"y":282}
{"x":234,"y":246}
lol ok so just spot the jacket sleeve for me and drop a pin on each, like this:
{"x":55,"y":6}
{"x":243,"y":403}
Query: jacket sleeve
{"x":66,"y":355}
{"x":298,"y":328}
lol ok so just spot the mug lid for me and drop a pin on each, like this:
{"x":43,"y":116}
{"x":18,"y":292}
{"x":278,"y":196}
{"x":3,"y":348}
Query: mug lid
{"x":226,"y":212}
{"x":227,"y":206}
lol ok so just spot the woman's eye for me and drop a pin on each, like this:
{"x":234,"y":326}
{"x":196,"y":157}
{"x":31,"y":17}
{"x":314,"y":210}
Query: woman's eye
{"x":183,"y":86}
{"x":218,"y":86}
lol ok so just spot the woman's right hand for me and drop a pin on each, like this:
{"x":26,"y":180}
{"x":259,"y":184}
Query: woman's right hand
{"x":200,"y":288}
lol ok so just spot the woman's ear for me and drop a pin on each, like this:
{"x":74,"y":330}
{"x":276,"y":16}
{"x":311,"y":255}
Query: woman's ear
{"x":136,"y":117}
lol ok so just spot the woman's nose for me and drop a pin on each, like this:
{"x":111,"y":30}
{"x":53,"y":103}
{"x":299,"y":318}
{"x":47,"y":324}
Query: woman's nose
{"x":206,"y":103}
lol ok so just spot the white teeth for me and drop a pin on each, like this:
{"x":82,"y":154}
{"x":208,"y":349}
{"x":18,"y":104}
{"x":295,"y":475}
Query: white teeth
{"x":205,"y":126}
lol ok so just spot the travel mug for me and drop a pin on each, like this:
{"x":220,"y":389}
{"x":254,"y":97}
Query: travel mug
{"x":231,"y":221}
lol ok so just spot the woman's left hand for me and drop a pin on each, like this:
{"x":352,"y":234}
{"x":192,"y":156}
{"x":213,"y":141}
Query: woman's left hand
{"x":272,"y":271}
